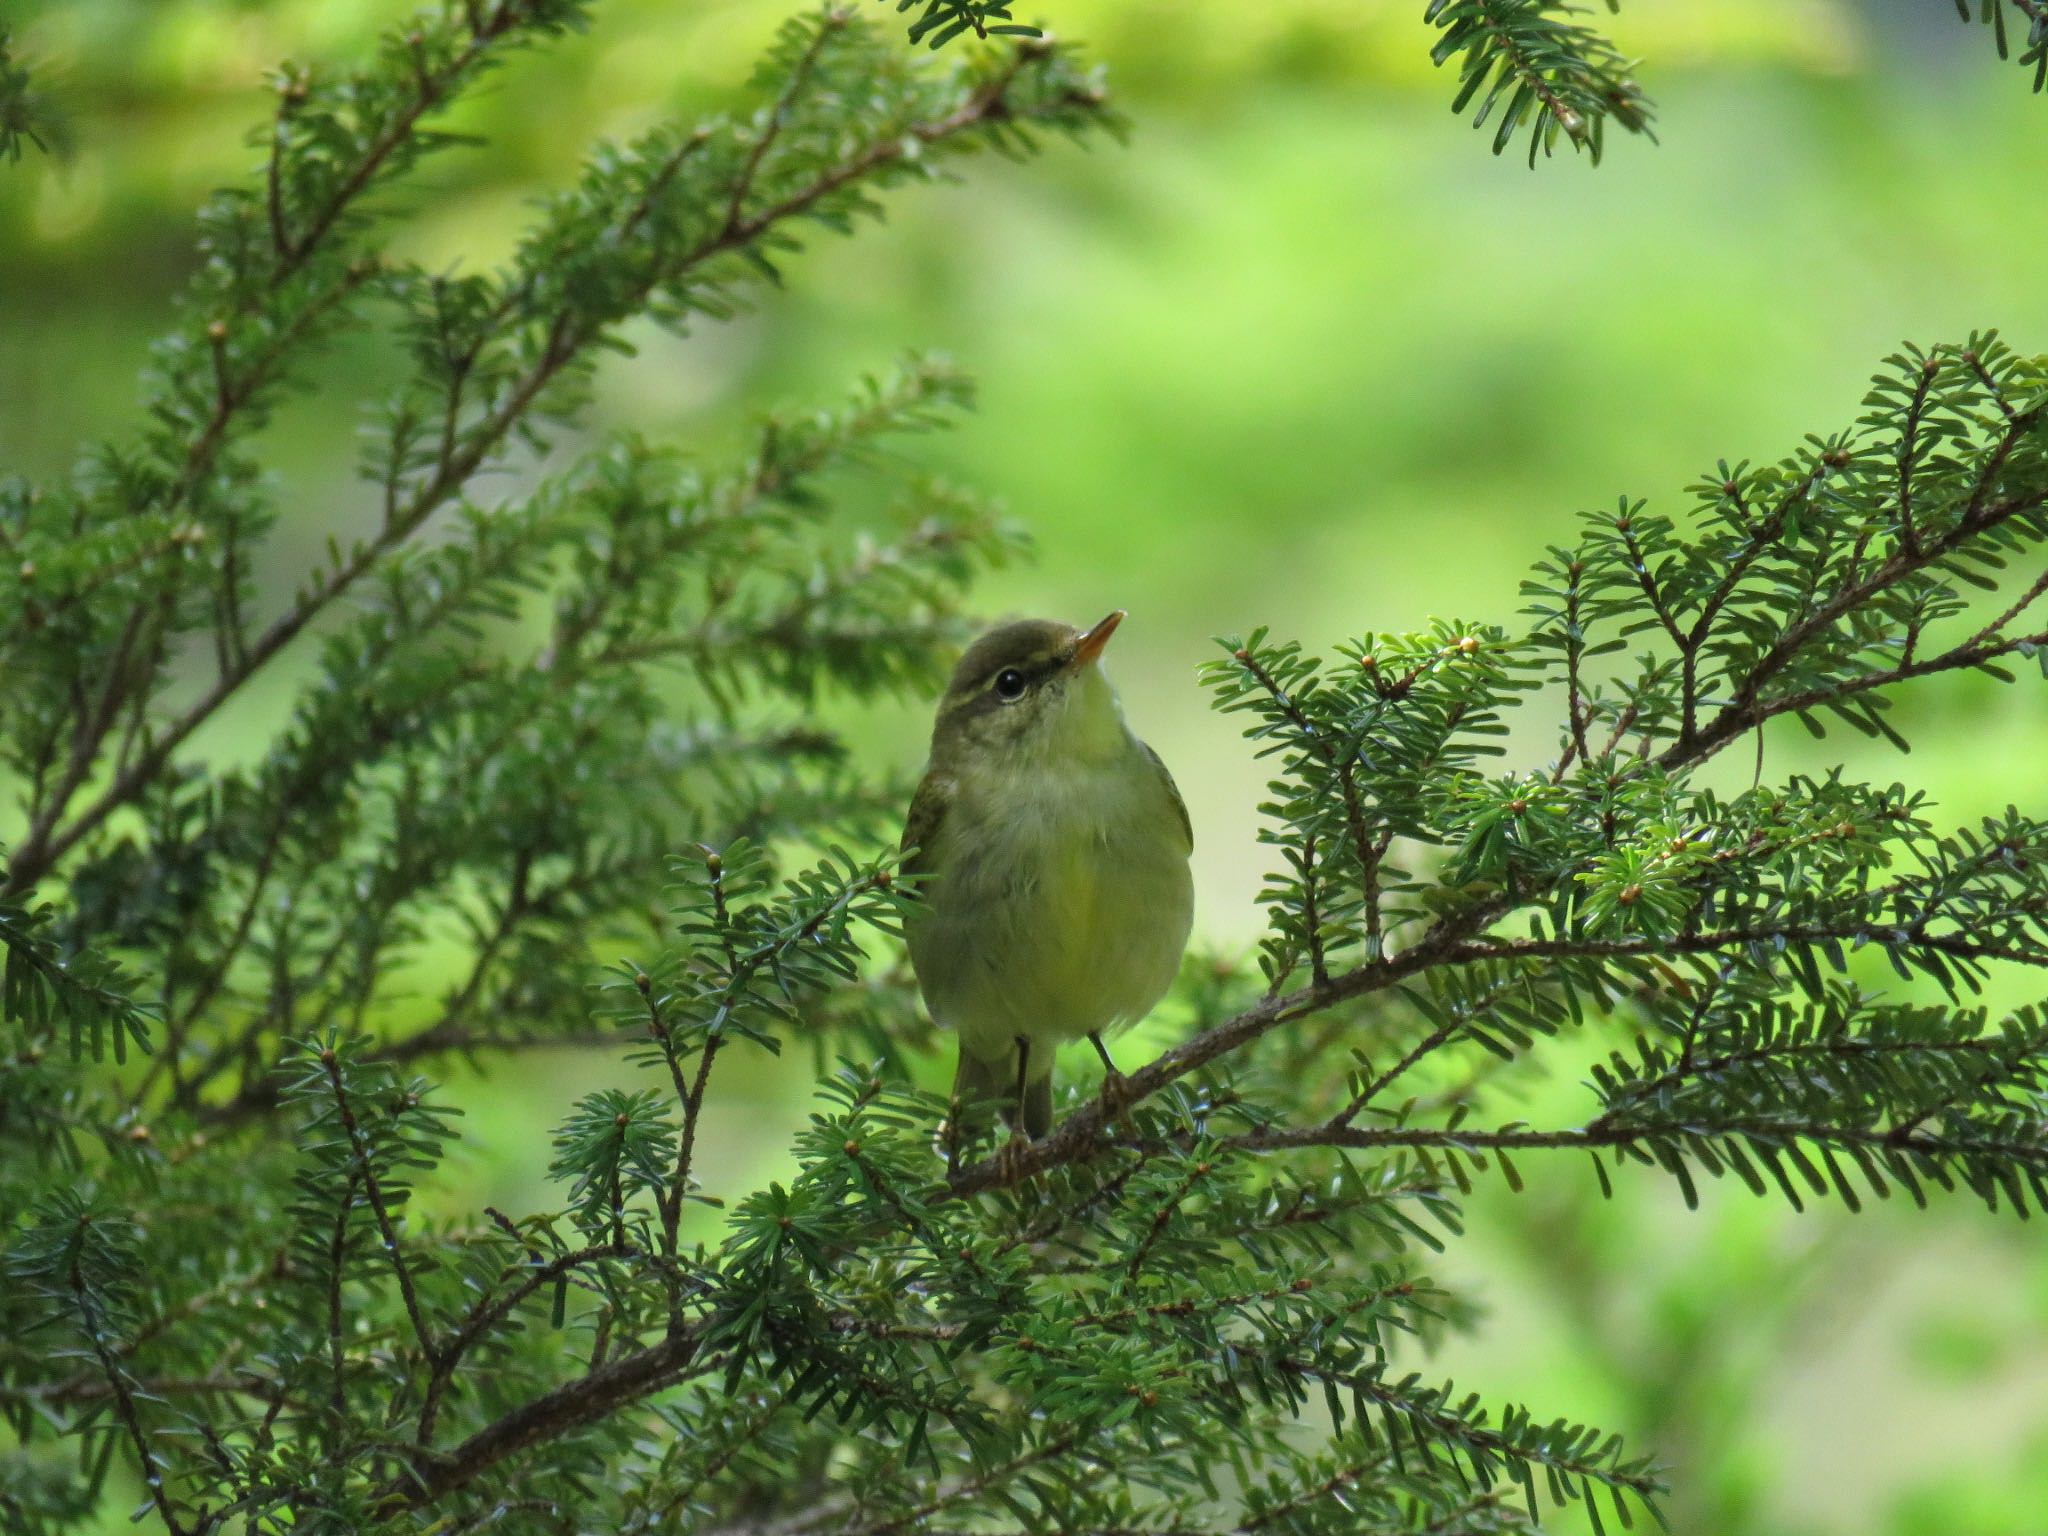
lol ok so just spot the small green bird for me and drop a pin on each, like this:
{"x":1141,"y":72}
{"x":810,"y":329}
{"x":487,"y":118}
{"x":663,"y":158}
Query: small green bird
{"x":1053,"y":850}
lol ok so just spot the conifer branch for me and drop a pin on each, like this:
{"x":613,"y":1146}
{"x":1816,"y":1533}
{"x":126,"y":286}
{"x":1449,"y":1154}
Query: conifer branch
{"x":123,"y":1393}
{"x":593,"y":1396}
{"x":1976,"y":513}
{"x":1526,"y":60}
{"x":978,"y":104}
{"x":514,"y":713}
{"x":1570,"y":1455}
{"x":27,"y":116}
{"x":380,"y":1207}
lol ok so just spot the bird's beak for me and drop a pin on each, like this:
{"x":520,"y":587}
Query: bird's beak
{"x":1091,"y":644}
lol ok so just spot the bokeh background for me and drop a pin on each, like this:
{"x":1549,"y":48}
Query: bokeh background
{"x":1301,"y":353}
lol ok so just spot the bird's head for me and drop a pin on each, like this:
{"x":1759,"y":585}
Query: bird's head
{"x":1029,"y":693}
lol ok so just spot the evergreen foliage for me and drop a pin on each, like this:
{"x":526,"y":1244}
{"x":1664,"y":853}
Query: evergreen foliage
{"x":1535,"y":66}
{"x":539,"y":730}
{"x":937,"y":22}
{"x":26,"y":116}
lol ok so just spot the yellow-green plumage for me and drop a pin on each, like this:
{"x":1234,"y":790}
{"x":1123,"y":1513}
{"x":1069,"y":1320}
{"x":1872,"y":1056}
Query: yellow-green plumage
{"x":1052,"y":850}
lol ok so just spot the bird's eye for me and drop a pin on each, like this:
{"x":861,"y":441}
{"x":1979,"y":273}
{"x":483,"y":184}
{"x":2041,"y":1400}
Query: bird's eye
{"x":1009,"y":685}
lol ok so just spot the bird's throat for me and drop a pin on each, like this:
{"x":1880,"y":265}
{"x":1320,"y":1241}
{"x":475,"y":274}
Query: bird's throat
{"x":1088,"y":726}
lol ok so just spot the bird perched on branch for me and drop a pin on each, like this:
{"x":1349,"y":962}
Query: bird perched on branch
{"x":1051,"y":849}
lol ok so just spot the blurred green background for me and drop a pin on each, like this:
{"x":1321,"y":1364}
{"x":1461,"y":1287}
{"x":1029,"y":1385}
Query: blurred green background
{"x":1301,"y":353}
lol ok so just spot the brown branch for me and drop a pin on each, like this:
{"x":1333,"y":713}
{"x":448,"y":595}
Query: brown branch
{"x":1688,"y":1068}
{"x":1450,"y":941}
{"x":1509,"y":46}
{"x":679,"y":1186}
{"x":1577,"y":710}
{"x":1450,"y":1426}
{"x":1080,"y":1134}
{"x":432,"y":92}
{"x":830,"y":23}
{"x":1972,"y":653}
{"x":180,"y":1025}
{"x":1164,"y":1215}
{"x":1871,"y":930}
{"x":1434,"y":1041}
{"x":231,"y":394}
{"x":487,"y":1313}
{"x":337,"y":1255}
{"x":1345,"y":766}
{"x":1909,"y":454}
{"x":602,"y":1391}
{"x":124,"y":1399}
{"x":373,"y":1191}
{"x":1651,"y":591}
{"x":1602,"y":1133}
{"x":1761,"y":538}
{"x":1748,"y":707}
{"x":89,"y":731}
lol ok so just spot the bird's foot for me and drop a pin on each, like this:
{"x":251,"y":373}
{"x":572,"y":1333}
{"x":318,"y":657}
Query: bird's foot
{"x":1010,"y":1158}
{"x":1119,"y":1093}
{"x":948,"y":1139}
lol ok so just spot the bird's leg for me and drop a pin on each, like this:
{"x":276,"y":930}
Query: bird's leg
{"x":952,"y":1131}
{"x":1011,"y":1151}
{"x":1117,"y":1092}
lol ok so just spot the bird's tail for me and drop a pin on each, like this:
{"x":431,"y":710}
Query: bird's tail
{"x":1038,"y":1106}
{"x":978,"y":1082}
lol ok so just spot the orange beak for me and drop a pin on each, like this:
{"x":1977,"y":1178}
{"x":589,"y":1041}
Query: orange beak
{"x":1091,"y":644}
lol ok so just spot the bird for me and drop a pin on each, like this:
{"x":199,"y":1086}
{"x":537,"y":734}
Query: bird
{"x":1048,"y":852}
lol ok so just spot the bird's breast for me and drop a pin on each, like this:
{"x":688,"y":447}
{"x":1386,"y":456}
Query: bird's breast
{"x":1060,"y":904}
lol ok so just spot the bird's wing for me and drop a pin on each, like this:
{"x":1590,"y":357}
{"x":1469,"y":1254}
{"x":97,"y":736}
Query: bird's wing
{"x":1172,"y":793}
{"x":928,"y":809}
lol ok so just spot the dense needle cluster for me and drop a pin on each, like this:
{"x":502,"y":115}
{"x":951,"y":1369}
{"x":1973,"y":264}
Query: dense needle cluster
{"x":529,"y":734}
{"x":1536,"y":67}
